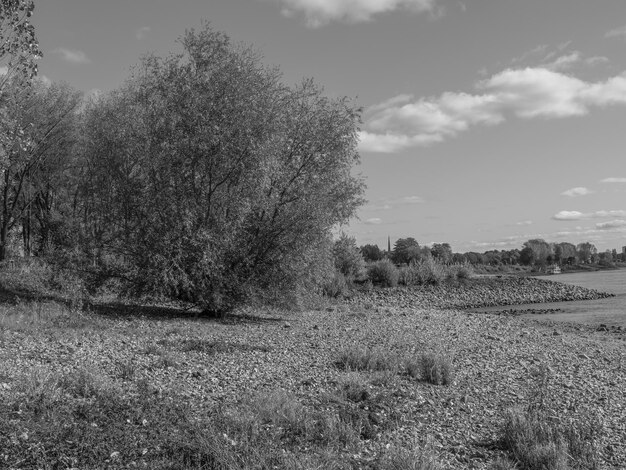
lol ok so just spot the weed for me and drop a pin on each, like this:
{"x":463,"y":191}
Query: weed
{"x":165,"y":360}
{"x":502,"y":463}
{"x":354,"y":388}
{"x":537,"y":438}
{"x":126,"y":370}
{"x":436,"y":369}
{"x":417,"y":457}
{"x":356,"y":358}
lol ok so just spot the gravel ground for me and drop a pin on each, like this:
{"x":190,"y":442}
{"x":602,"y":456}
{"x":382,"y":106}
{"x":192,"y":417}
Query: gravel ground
{"x":208,"y":363}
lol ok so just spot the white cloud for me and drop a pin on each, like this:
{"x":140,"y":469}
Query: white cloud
{"x":524,"y":222}
{"x":613,"y":180}
{"x":404,"y":122}
{"x":616,"y":33}
{"x":613,"y":224}
{"x":578,"y":191}
{"x":141,"y":33}
{"x":568,"y":215}
{"x":576,"y":215}
{"x":374,"y":221}
{"x":321,"y":12}
{"x":72,"y":55}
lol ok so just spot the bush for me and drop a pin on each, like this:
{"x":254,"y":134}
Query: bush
{"x":436,"y":369}
{"x":356,"y":358}
{"x":383,"y":273}
{"x":408,"y":275}
{"x":430,"y":271}
{"x":348,"y":259}
{"x":336,"y":287}
{"x":538,"y":437}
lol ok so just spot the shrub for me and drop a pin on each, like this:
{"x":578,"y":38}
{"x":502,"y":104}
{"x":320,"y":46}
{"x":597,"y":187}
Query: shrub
{"x":430,"y":271}
{"x":347,"y":257}
{"x":415,"y":458}
{"x":408,"y":275}
{"x":356,"y":358}
{"x":354,"y":388}
{"x":336,"y":287}
{"x":538,"y":438}
{"x":383,"y":273}
{"x":436,"y":369}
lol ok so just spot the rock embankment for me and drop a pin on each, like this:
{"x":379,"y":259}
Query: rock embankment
{"x":479,"y":292}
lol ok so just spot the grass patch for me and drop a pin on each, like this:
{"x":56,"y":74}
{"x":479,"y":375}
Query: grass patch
{"x":209,"y":347}
{"x":363,"y":359}
{"x":434,"y":368}
{"x":354,"y":388}
{"x":402,"y":458}
{"x":538,"y":438}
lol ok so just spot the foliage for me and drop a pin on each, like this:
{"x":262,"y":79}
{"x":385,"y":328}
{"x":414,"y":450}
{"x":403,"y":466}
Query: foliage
{"x":538,"y":437}
{"x":336,"y":286}
{"x":357,"y":358}
{"x":18,"y":44}
{"x":541,"y":251}
{"x":442,"y":252}
{"x":436,"y":369}
{"x":209,"y":180}
{"x":371,"y":253}
{"x":383,"y":273}
{"x":34,"y":178}
{"x":348,"y":258}
{"x":405,"y":250}
{"x":586,"y":252}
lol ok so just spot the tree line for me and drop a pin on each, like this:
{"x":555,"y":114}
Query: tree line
{"x":535,"y":252}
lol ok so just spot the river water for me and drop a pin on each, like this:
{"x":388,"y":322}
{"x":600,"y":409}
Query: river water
{"x":610,"y":311}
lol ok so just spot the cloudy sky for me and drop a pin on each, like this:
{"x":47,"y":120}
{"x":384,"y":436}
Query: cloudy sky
{"x":486,"y":123}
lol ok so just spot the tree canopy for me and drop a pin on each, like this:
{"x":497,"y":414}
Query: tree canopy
{"x":208,"y":178}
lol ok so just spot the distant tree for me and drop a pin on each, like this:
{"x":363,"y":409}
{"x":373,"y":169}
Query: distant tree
{"x":371,"y":253}
{"x":405,"y":250}
{"x":475,"y":258}
{"x":459,"y":258}
{"x":212,"y":180}
{"x":510,"y":256}
{"x":586,"y":252}
{"x":565,"y":253}
{"x":527,"y":256}
{"x":541,"y":250}
{"x":348,"y":258}
{"x":442,"y":252}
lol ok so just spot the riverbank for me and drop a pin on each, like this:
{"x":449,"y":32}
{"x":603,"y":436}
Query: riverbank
{"x":479,"y":292}
{"x":172,"y":391}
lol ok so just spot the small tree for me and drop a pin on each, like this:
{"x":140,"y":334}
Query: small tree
{"x":442,"y":252}
{"x":348,"y":258}
{"x":371,"y":253}
{"x":405,"y":250}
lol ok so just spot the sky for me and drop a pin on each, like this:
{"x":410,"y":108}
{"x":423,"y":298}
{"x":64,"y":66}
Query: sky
{"x":486,"y":122}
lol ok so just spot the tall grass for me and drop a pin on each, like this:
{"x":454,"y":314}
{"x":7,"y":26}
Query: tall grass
{"x":538,"y":438}
{"x":430,"y":271}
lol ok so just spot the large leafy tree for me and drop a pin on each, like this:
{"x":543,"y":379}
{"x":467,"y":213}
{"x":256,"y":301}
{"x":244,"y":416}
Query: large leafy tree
{"x":33,"y":170}
{"x":208,"y":179}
